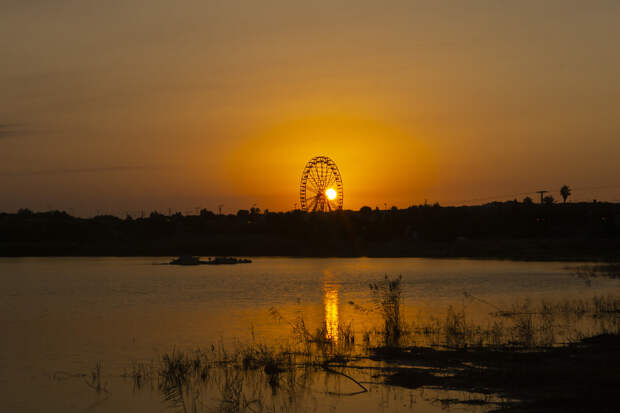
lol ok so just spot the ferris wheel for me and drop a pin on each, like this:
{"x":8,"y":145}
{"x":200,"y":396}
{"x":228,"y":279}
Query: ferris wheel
{"x":321,"y":186}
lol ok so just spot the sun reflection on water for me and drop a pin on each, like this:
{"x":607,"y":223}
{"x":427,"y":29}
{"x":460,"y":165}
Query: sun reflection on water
{"x":331,"y":312}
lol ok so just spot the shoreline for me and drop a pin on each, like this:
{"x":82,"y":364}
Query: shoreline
{"x":515,"y":258}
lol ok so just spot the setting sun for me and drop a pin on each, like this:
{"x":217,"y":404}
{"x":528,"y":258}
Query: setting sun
{"x":331,"y":193}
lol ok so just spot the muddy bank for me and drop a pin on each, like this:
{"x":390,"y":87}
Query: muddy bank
{"x":581,"y":377}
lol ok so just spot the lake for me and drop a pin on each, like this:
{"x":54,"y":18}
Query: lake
{"x":61,"y":316}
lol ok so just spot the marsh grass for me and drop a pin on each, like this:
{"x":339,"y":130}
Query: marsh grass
{"x":256,"y":377}
{"x":94,"y":379}
{"x":240,"y":377}
{"x":588,"y":272}
{"x":524,"y":325}
{"x":387,"y":295}
{"x":141,"y":373}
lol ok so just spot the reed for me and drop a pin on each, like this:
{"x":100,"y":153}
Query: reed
{"x":94,"y":379}
{"x":387,"y":295}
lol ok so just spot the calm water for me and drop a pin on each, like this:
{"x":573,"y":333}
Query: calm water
{"x":59,"y":316}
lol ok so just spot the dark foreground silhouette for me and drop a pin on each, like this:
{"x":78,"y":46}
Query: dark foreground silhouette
{"x":581,"y":377}
{"x":579,"y":231}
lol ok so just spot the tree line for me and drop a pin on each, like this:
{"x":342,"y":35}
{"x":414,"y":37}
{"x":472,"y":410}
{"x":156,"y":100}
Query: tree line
{"x":422,"y":230}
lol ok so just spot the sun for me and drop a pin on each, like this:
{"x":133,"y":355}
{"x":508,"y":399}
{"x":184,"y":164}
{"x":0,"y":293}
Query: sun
{"x":331,"y":193}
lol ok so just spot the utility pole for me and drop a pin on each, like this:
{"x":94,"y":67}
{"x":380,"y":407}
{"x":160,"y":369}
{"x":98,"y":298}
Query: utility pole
{"x":542,"y":193}
{"x":219,"y":207}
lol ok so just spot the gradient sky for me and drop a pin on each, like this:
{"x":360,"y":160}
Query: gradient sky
{"x":113,"y":106}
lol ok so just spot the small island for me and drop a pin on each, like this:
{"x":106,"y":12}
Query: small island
{"x":192,"y":260}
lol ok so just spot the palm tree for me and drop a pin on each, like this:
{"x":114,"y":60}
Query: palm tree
{"x":565,"y":192}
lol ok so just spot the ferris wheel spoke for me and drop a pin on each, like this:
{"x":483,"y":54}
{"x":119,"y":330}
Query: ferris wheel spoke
{"x":335,"y":175}
{"x":316,"y":187}
{"x":320,"y":181}
{"x":320,"y":200}
{"x":315,"y":204}
{"x":332,"y":179}
{"x":315,"y":178}
{"x":319,"y":172}
{"x":312,"y":186}
{"x":313,"y":194}
{"x":325,"y":175}
{"x":310,"y":175}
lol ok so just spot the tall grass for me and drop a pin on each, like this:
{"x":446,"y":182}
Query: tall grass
{"x":524,"y":325}
{"x":387,"y":295}
{"x":94,"y":379}
{"x":588,"y":272}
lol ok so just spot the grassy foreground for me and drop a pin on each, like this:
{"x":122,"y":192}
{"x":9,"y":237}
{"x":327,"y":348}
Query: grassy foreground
{"x":545,"y":357}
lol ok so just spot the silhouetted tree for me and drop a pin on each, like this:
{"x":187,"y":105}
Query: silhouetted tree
{"x":204,"y":212}
{"x":565,"y":192}
{"x":548,"y":200}
{"x":528,"y":201}
{"x":156,"y":216}
{"x":418,"y":229}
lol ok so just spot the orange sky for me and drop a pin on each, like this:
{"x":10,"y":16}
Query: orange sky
{"x":129,"y":105}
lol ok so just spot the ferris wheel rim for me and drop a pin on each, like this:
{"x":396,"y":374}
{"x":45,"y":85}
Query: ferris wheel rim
{"x":320,"y":174}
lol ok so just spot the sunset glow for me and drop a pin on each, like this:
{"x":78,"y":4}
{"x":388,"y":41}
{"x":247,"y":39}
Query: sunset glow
{"x":449,"y":114}
{"x":292,"y":205}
